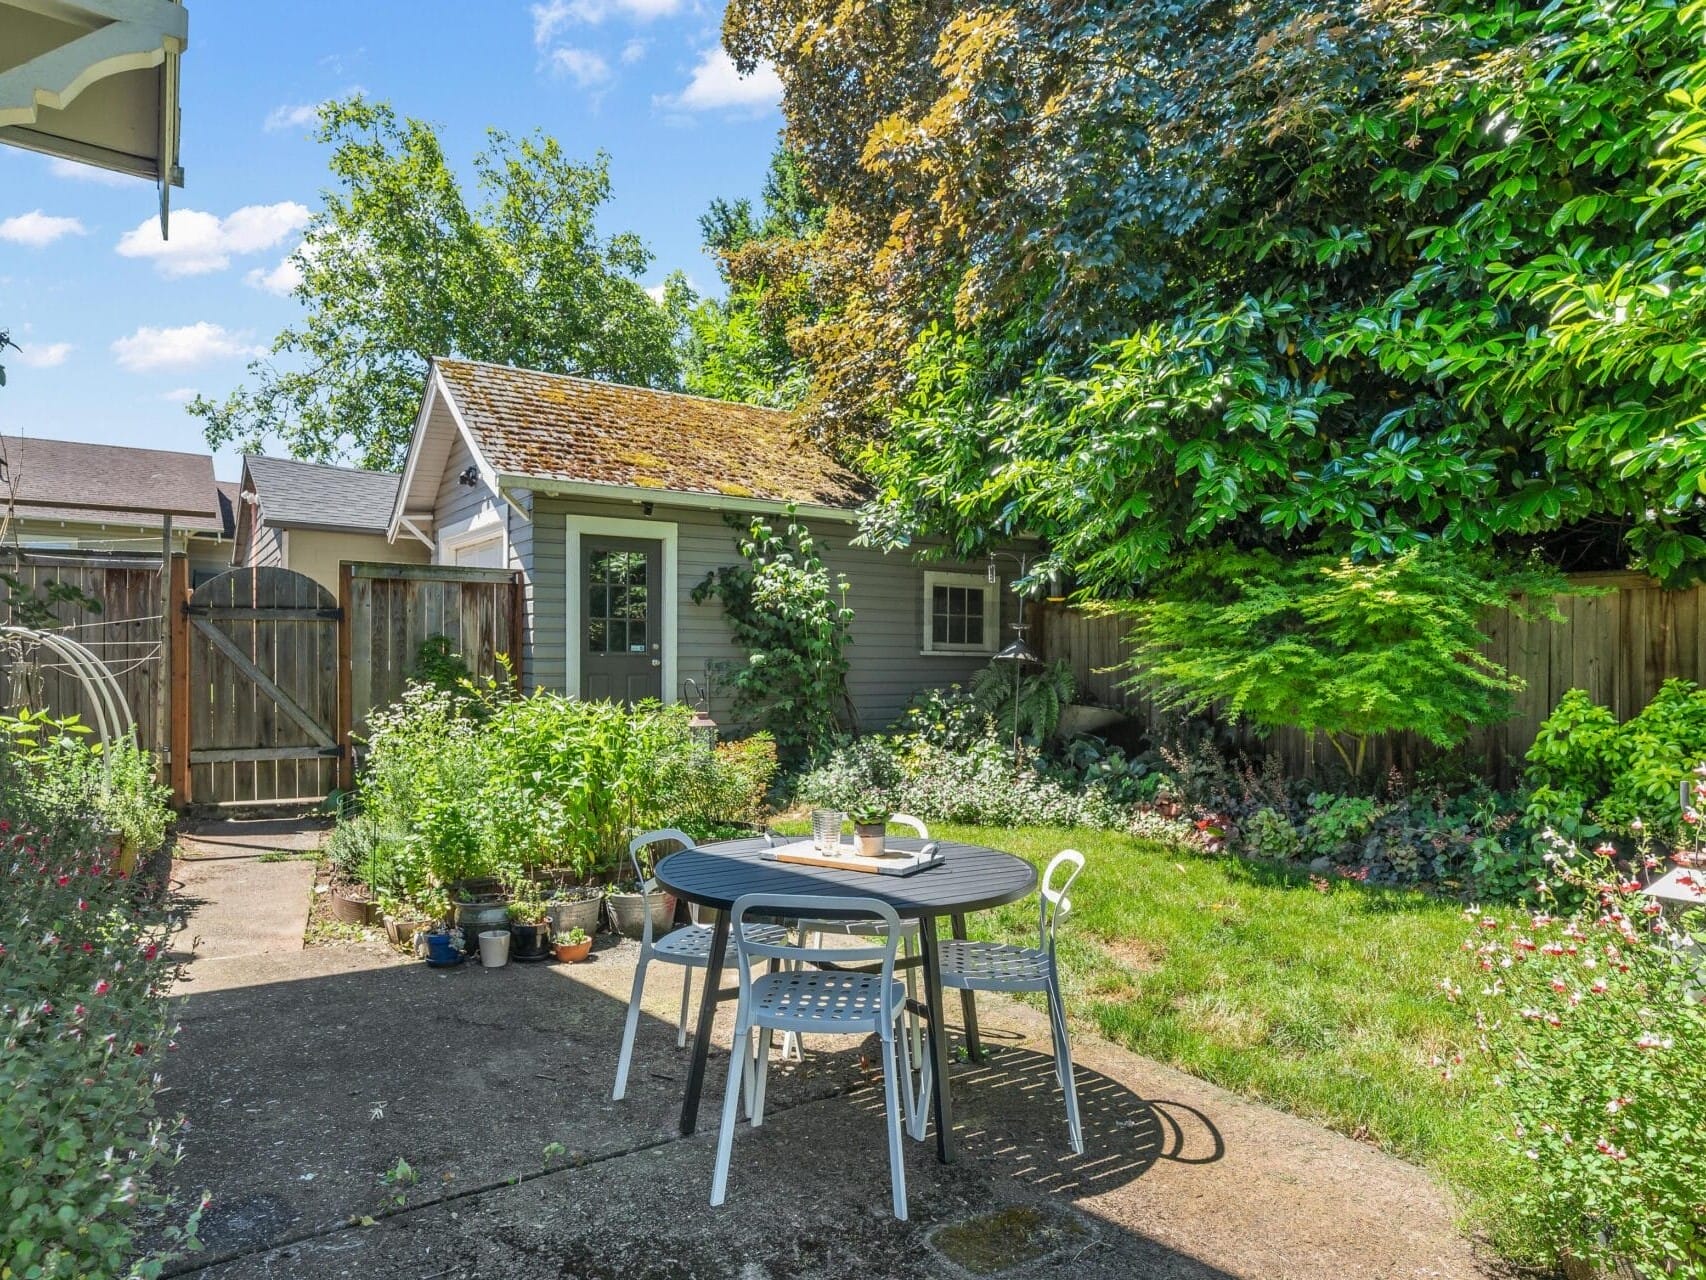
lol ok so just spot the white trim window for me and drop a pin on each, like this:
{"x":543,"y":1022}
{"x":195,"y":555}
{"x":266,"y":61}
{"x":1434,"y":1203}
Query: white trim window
{"x":962,"y":613}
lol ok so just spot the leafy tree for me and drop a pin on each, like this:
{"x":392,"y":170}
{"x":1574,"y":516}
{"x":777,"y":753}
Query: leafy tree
{"x":398,"y":266}
{"x":5,"y":341}
{"x":1322,"y":644}
{"x":1144,"y":279}
{"x":738,"y":348}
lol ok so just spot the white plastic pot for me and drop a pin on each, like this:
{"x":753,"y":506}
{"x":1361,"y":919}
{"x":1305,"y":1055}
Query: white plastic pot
{"x":494,"y":948}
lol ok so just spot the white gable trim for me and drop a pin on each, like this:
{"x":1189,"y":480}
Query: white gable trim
{"x":662,"y":531}
{"x":436,"y":389}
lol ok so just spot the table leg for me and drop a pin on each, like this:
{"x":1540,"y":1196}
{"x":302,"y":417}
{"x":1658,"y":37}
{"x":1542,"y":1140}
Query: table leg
{"x":707,"y":1017}
{"x":941,"y":1102}
{"x":968,"y":1003}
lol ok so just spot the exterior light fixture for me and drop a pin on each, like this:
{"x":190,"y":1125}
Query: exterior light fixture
{"x":470,"y":476}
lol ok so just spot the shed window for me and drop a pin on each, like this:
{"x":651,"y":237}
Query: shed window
{"x":962,"y":613}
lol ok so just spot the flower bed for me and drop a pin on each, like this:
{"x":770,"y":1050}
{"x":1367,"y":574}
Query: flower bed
{"x":84,"y":1020}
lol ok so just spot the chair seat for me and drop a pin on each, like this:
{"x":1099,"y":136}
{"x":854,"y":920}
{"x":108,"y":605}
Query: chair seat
{"x":813,"y":1000}
{"x":691,"y":944}
{"x":993,"y":966}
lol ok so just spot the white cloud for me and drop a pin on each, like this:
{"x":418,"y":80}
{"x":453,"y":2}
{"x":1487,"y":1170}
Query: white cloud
{"x":60,"y":167}
{"x":149,"y":348}
{"x":633,"y":51}
{"x":37,"y":229}
{"x":291,"y":116}
{"x":179,"y":395}
{"x":552,"y":16}
{"x":281,"y":279}
{"x":716,"y":85}
{"x":204,"y":242}
{"x":584,"y":66}
{"x":44,"y":355}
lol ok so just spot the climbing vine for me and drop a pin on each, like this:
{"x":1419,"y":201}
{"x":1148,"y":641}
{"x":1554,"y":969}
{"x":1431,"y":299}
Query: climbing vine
{"x":791,"y":617}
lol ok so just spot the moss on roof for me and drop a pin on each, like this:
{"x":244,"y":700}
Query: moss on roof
{"x":550,"y":426}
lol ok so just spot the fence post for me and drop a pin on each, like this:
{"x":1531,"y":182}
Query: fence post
{"x":346,"y":680}
{"x":175,"y":623}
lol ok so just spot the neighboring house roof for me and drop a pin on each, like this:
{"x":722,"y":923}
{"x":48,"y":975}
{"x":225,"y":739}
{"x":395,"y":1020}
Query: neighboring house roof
{"x":95,"y":481}
{"x":548,"y":426}
{"x":228,"y":491}
{"x":312,"y":495}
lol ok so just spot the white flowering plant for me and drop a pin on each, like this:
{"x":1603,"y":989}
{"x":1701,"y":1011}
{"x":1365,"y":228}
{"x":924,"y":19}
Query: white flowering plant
{"x":1593,"y":1025}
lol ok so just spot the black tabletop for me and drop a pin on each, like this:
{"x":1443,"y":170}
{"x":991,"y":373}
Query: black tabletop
{"x":971,"y":878}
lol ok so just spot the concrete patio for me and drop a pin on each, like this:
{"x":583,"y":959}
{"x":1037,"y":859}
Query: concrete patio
{"x":307,"y":1073}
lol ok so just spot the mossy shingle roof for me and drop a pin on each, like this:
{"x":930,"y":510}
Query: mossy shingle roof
{"x":550,"y":426}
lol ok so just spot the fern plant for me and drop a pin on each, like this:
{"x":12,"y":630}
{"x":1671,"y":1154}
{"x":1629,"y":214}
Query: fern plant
{"x":1027,"y":706}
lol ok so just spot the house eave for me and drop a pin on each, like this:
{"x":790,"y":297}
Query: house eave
{"x":673,"y":497}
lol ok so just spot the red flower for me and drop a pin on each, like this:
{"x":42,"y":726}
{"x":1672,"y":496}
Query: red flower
{"x":102,"y":987}
{"x":63,"y":881}
{"x":138,"y":1049}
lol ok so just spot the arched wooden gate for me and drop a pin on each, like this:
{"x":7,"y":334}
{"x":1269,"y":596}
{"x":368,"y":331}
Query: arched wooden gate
{"x":261,"y":670}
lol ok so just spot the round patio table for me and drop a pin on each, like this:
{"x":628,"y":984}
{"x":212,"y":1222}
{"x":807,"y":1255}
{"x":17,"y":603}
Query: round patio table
{"x":970,"y":878}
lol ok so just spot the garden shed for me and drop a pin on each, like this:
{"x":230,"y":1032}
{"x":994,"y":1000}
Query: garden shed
{"x":615,"y":501}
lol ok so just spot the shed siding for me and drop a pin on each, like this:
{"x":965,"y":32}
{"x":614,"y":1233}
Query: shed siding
{"x":318,"y":552}
{"x":886,"y":592}
{"x":266,"y":547}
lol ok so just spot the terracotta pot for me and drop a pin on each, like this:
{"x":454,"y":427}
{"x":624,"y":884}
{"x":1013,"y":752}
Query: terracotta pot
{"x":573,"y":952}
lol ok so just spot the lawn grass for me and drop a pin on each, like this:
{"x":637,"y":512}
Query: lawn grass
{"x":1325,"y":1003}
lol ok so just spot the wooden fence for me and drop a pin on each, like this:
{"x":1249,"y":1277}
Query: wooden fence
{"x":238,"y":700}
{"x":391,"y":610}
{"x":1619,"y":645}
{"x":124,"y":632}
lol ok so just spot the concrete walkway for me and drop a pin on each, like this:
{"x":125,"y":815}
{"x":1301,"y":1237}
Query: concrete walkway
{"x":307,"y":1075}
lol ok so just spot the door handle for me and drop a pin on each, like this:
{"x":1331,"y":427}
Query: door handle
{"x":657,"y":662}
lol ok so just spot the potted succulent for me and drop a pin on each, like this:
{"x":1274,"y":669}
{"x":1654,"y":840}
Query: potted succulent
{"x":529,"y":929}
{"x":572,"y":947}
{"x":870,"y":829}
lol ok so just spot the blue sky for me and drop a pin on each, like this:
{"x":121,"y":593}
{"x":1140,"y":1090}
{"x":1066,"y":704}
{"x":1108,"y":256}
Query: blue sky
{"x":118,"y":328}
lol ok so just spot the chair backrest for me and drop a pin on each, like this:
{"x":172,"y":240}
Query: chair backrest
{"x":643,"y":872}
{"x":907,"y":820}
{"x":1053,"y":904}
{"x":789,"y":906}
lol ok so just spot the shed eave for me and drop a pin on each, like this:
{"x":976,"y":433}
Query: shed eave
{"x":672,"y":497}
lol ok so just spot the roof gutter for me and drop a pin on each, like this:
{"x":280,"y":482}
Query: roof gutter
{"x":675,"y":498}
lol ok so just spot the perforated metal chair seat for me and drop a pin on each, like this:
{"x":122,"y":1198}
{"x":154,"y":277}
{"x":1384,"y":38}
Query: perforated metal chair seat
{"x":828,"y":1003}
{"x":994,"y":966}
{"x":691,"y":944}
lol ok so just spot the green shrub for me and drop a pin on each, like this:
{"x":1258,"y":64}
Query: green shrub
{"x":1587,"y":772}
{"x":1269,"y":834}
{"x":1019,"y":704}
{"x":83,"y":1022}
{"x":1594,"y":1024}
{"x":1344,"y":648}
{"x":1337,"y":825}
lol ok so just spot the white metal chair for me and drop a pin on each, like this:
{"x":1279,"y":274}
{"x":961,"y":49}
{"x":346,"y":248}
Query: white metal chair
{"x":996,"y":966}
{"x":872,"y":928}
{"x":689,"y":947}
{"x":820,"y":1001}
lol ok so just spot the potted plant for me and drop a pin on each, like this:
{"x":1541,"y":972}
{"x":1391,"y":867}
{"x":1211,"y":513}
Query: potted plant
{"x":575,"y":907}
{"x":477,"y":905}
{"x":572,"y":947}
{"x":529,"y":929}
{"x":870,"y":829}
{"x":628,"y":909}
{"x":403,"y":920}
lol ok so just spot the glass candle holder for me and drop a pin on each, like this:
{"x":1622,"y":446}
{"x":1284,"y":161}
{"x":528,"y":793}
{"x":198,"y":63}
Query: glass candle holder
{"x":826,"y":829}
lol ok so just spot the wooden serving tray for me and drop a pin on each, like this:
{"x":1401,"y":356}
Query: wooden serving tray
{"x":894,"y":862}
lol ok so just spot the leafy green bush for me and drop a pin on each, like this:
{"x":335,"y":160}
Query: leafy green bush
{"x":1269,"y":834}
{"x":1346,"y":649}
{"x":83,"y":1022}
{"x":458,"y":786}
{"x":1023,"y":704}
{"x":977,"y":784}
{"x":1596,"y":1029}
{"x":1586,"y":771}
{"x":73,"y":779}
{"x":781,"y":606}
{"x":1337,"y":825}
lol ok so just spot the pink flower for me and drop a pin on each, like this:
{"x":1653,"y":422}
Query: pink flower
{"x":102,"y":987}
{"x":1616,"y":1105}
{"x":1606,"y":1149}
{"x":1599,"y":986}
{"x":1637,"y":826}
{"x":1649,"y":1041}
{"x":1606,"y":850}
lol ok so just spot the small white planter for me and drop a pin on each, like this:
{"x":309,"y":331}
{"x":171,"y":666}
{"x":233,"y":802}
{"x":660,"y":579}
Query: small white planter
{"x":494,"y":948}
